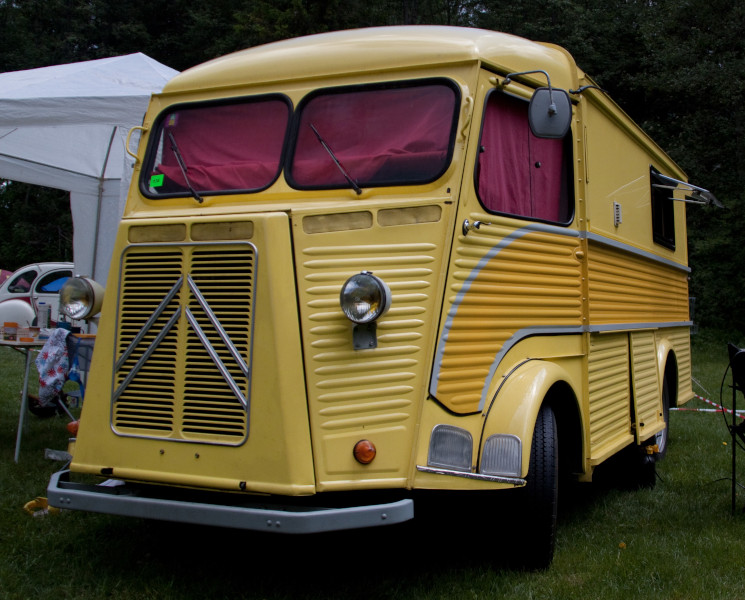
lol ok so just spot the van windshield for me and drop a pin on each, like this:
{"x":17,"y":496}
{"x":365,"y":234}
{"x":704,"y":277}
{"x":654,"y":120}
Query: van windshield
{"x":376,"y":136}
{"x":361,"y":136}
{"x":218,"y":147}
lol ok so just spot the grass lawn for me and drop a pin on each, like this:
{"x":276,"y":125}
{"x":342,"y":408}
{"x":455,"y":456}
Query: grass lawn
{"x":678,"y":540}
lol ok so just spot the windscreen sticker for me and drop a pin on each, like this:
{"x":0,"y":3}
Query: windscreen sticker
{"x":157,"y":180}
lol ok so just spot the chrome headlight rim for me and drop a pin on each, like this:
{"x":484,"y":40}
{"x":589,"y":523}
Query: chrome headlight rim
{"x":364,"y":298}
{"x":80,"y":298}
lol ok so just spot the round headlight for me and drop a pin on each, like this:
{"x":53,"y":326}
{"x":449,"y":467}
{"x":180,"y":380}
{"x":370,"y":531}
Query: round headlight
{"x":364,"y":297}
{"x":80,"y":298}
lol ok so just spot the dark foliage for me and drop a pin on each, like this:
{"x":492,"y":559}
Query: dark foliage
{"x":35,"y":225}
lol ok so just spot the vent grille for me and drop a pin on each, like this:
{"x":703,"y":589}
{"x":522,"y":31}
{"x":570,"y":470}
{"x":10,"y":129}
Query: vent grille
{"x":184,"y":342}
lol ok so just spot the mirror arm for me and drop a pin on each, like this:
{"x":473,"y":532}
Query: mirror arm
{"x":587,"y":87}
{"x":552,"y":105}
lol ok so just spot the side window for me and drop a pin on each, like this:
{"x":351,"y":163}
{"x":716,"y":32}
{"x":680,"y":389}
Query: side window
{"x":51,"y":283}
{"x":663,"y":214}
{"x":22,"y":283}
{"x":517,"y":173}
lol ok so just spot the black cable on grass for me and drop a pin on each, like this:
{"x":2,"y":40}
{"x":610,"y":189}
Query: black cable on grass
{"x":724,"y":413}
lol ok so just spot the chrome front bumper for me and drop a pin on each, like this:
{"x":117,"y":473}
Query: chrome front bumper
{"x":131,"y":501}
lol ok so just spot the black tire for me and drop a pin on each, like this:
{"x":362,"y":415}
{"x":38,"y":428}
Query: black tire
{"x":539,"y":498}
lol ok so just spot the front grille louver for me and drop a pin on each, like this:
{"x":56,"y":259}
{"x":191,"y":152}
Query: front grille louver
{"x":184,"y":327}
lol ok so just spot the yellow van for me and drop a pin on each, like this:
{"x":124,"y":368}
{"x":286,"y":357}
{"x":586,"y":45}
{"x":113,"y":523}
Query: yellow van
{"x":363,"y":264}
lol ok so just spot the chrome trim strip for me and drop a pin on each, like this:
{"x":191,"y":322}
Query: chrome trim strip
{"x":217,"y":325}
{"x":516,"y":481}
{"x":143,"y":359}
{"x":149,"y":323}
{"x":216,"y":359}
{"x":250,"y":515}
{"x":636,"y":326}
{"x":527,"y":332}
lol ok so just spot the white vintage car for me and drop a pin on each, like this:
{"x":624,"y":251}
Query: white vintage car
{"x":21,"y":293}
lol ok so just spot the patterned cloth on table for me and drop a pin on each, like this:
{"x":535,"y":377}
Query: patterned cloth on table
{"x":53,"y":364}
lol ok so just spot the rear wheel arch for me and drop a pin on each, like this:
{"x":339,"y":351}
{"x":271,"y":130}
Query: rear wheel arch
{"x":670,"y":375}
{"x":669,"y":399}
{"x":667,"y":367}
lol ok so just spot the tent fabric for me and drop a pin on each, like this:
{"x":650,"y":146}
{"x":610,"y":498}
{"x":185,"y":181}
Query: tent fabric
{"x":65,"y":127}
{"x":81,"y":93}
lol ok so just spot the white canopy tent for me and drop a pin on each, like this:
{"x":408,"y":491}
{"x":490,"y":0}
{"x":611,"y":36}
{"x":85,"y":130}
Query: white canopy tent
{"x":65,"y":127}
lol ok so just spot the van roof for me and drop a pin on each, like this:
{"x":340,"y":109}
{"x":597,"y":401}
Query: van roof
{"x":378,"y":49}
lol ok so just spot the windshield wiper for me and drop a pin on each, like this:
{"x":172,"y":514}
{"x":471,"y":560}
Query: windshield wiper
{"x":182,"y":166}
{"x":344,"y":172}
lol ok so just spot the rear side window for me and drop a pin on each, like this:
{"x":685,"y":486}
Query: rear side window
{"x":517,"y":173}
{"x":216,"y":148}
{"x":51,"y":283}
{"x":663,"y":212}
{"x":375,"y":135}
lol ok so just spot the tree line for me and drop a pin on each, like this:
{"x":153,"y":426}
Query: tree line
{"x":674,"y":65}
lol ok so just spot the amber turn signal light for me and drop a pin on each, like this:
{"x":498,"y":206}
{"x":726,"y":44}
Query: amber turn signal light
{"x":364,"y":452}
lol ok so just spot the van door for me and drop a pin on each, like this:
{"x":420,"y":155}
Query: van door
{"x":515,"y":267}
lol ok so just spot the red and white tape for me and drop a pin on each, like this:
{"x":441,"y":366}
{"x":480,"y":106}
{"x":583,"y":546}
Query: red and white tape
{"x":718,"y":408}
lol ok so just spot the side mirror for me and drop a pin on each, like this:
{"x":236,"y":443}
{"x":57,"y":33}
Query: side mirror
{"x":550,"y":113}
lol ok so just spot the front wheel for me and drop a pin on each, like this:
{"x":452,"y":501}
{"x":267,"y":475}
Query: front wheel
{"x":539,"y":498}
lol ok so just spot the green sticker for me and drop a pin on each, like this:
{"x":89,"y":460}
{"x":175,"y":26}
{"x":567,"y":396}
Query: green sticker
{"x":157,"y":180}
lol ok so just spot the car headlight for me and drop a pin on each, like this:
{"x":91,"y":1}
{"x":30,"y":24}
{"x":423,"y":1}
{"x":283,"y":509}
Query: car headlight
{"x":80,"y":298}
{"x":364,"y":297}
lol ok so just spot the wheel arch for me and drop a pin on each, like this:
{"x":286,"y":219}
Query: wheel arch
{"x":518,"y":399}
{"x":667,"y":364}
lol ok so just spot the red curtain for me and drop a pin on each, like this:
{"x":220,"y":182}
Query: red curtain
{"x":226,"y":147}
{"x":519,"y":174}
{"x":380,"y":136}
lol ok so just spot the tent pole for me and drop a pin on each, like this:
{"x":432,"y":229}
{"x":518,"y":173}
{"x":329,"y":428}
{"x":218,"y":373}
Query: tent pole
{"x":100,"y":200}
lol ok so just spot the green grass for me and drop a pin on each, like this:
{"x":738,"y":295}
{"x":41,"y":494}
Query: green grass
{"x":679,"y":540}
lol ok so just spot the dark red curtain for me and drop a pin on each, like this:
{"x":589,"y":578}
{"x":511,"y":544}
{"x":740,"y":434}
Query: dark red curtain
{"x":228,"y":147}
{"x":380,"y":136}
{"x":519,"y":174}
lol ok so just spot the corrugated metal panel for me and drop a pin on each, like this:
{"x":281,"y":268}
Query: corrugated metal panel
{"x":624,"y":288}
{"x":608,"y":391}
{"x":504,"y":281}
{"x":343,"y":376}
{"x":372,"y":393}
